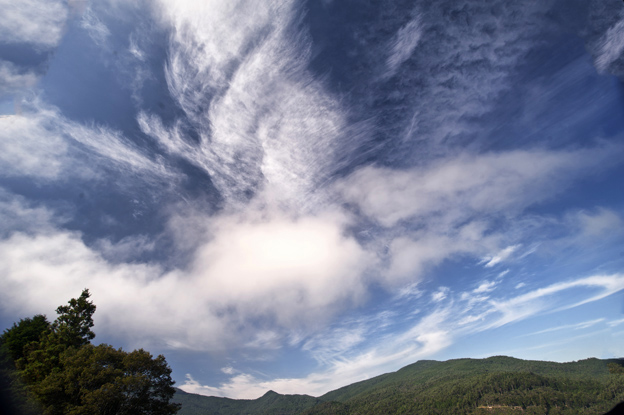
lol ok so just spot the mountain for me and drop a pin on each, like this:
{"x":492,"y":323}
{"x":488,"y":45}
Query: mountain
{"x":271,"y":403}
{"x":496,"y":385}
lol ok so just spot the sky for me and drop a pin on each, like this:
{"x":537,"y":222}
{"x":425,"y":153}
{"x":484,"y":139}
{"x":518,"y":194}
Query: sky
{"x":298,"y":195}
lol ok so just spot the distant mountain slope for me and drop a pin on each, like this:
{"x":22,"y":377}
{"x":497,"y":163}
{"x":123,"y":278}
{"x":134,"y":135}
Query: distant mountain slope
{"x":429,"y":372}
{"x":497,"y":385}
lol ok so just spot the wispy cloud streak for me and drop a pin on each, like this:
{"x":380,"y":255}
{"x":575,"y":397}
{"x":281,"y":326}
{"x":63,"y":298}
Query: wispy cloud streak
{"x":507,"y":181}
{"x":263,"y":122}
{"x":42,"y":143}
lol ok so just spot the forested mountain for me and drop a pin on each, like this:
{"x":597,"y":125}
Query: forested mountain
{"x":270,"y":403}
{"x":496,"y":385}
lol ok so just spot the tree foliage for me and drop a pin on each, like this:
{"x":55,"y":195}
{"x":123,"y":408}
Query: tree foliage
{"x":23,"y":333}
{"x":14,"y":396}
{"x":57,"y":366}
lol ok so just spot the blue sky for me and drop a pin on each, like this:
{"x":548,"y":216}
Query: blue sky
{"x":300,"y":195}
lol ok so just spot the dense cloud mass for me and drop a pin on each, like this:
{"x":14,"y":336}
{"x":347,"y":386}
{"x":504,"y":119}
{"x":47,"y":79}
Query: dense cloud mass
{"x":297,"y":195}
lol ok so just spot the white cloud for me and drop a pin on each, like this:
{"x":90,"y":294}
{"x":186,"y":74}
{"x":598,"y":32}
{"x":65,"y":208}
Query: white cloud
{"x":501,"y":256}
{"x":12,"y":79}
{"x":403,"y":44}
{"x":559,"y":353}
{"x":42,"y":143}
{"x":611,"y":46}
{"x":96,"y":29}
{"x":264,"y":121}
{"x":615,"y":323}
{"x":422,"y":340}
{"x":291,"y":274}
{"x":498,"y":182}
{"x":285,"y":269}
{"x":440,"y":295}
{"x":18,"y":215}
{"x":265,"y":340}
{"x":410,"y":257}
{"x":251,"y":282}
{"x":596,"y":224}
{"x":38,"y":22}
{"x":532,"y":302}
{"x":431,"y":334}
{"x":485,"y":287}
{"x":266,"y":273}
{"x":125,"y":249}
{"x":217,"y":35}
{"x":41,"y":271}
{"x":578,"y":326}
{"x":28,"y":148}
{"x":327,"y":346}
{"x":409,"y":291}
{"x":345,"y":339}
{"x":445,"y":193}
{"x":466,"y":58}
{"x":134,"y":48}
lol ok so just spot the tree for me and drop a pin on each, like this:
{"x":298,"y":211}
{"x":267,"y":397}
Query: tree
{"x":73,"y":325}
{"x":14,"y":397}
{"x":102,"y":380}
{"x":68,"y":375}
{"x":71,"y":329}
{"x":27,"y":331}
